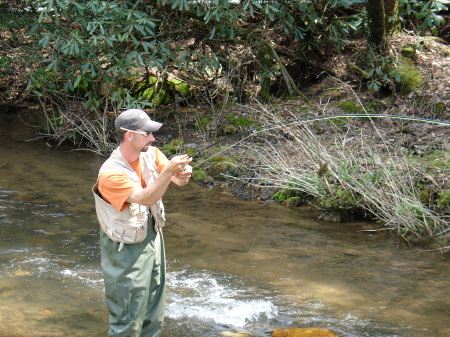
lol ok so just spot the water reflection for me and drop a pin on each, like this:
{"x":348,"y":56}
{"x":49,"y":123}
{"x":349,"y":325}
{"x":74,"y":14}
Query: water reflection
{"x":233,"y":265}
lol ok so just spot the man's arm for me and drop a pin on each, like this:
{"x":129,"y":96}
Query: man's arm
{"x":151,"y":194}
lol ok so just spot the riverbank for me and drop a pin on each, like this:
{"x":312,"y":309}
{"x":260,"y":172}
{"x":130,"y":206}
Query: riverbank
{"x":406,"y":157}
{"x":384,"y":169}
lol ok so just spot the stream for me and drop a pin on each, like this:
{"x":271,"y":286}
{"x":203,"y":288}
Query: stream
{"x":234,"y":266}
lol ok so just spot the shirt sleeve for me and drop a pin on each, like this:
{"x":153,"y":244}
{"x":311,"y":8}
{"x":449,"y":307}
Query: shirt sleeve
{"x":161,"y":159}
{"x":115,"y":188}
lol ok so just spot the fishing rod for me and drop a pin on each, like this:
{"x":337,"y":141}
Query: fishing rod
{"x":294,"y":121}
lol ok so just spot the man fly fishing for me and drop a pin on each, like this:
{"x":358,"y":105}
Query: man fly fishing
{"x":128,"y":192}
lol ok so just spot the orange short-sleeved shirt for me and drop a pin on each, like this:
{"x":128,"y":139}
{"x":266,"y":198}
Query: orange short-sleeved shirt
{"x":115,"y":187}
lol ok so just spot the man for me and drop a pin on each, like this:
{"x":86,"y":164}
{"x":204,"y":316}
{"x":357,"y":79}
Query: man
{"x":128,"y":195}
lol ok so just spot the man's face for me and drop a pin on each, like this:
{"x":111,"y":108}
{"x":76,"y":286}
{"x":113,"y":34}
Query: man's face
{"x":142,"y":139}
{"x":146,"y":140}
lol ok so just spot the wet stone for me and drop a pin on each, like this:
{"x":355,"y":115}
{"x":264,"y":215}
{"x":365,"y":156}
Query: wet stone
{"x":299,"y":332}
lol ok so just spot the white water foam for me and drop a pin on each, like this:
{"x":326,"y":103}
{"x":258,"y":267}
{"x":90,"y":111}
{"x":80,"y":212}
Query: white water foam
{"x":215,"y":297}
{"x":52,"y":267}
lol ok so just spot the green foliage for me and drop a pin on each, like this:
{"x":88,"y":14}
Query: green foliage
{"x":401,"y":73}
{"x":92,"y":44}
{"x":16,"y":45}
{"x":5,"y":64}
{"x":425,"y":13}
{"x":378,"y":72}
{"x":93,"y":49}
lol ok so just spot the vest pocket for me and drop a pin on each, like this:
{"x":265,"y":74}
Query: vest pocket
{"x":129,"y":232}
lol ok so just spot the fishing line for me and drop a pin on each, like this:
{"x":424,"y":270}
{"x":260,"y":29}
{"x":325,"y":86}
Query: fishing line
{"x":289,"y":122}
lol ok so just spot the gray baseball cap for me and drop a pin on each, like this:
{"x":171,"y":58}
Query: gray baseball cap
{"x":135,"y":119}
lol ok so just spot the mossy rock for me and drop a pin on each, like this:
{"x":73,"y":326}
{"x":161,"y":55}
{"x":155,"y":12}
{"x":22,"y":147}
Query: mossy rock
{"x":220,"y":166}
{"x":151,"y":90}
{"x":200,"y":175}
{"x":342,"y":199}
{"x":284,"y":195}
{"x":407,"y":76}
{"x":409,"y":51}
{"x":294,"y":202}
{"x":182,"y":88}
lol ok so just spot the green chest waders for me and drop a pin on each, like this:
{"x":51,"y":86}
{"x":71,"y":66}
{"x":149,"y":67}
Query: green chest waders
{"x":135,"y":281}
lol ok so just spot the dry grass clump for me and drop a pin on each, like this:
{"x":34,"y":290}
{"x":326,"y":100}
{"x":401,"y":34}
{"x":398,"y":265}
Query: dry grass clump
{"x":348,"y":164}
{"x":77,"y":125}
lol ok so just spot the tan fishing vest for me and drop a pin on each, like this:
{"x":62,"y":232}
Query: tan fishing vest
{"x":130,"y":225}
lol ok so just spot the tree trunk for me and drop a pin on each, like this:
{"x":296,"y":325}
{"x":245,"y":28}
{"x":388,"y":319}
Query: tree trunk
{"x":377,"y":26}
{"x":390,"y":9}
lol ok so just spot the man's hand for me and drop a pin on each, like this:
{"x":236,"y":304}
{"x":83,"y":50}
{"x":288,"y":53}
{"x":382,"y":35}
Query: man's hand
{"x":182,"y":178}
{"x":178,"y":164}
{"x":177,"y":170}
{"x":186,"y":174}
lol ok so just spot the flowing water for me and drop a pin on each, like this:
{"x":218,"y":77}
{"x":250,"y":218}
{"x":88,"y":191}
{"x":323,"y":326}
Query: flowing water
{"x":234,"y":266}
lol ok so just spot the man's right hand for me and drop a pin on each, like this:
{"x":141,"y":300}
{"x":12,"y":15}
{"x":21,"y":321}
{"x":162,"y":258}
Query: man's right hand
{"x":178,"y":163}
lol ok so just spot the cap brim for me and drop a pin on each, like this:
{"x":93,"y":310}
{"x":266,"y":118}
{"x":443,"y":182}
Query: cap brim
{"x":151,"y":126}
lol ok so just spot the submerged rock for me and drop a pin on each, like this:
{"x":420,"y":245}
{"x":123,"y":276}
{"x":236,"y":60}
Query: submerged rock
{"x":235,"y":334}
{"x":299,"y":332}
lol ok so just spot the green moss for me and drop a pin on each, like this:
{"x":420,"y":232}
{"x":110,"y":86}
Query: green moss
{"x":220,"y":166}
{"x":243,"y":122}
{"x":284,"y":195}
{"x":229,"y":130}
{"x":425,"y":196}
{"x":333,"y":93}
{"x":152,"y":90}
{"x":444,"y":198}
{"x":341,"y":199}
{"x":339,"y":121}
{"x":435,"y":159}
{"x":439,"y":109}
{"x":171,"y":148}
{"x":180,"y":87}
{"x":203,"y":122}
{"x":372,"y":106}
{"x":349,"y":107}
{"x":200,"y":175}
{"x":407,"y":76}
{"x":409,"y":51}
{"x":294,"y":202}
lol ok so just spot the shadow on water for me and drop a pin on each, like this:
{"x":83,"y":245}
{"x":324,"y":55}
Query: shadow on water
{"x":233,"y":265}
